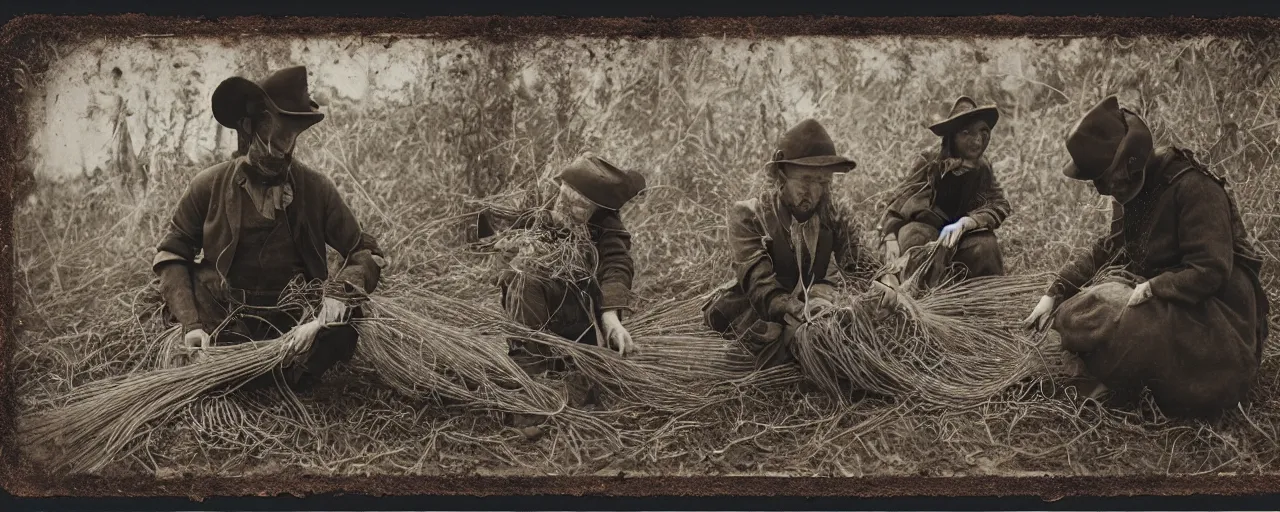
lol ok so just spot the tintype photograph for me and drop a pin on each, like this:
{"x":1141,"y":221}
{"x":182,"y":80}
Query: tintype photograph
{"x":263,"y":255}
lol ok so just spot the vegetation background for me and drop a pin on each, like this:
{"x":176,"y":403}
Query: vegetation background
{"x":419,"y":129}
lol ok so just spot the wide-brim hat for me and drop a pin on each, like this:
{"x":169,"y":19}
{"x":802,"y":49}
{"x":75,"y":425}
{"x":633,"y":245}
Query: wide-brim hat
{"x":601,"y":182}
{"x":964,"y":111}
{"x":1105,"y":137}
{"x":808,"y":144}
{"x":283,"y":92}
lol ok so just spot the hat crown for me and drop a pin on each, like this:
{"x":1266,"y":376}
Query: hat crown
{"x":963,"y":104}
{"x":1094,"y":140}
{"x":602,"y":182}
{"x":806,"y":139}
{"x":287,"y":88}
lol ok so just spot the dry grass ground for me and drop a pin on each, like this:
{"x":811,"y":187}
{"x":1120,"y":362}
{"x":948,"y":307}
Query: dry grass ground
{"x":699,"y":117}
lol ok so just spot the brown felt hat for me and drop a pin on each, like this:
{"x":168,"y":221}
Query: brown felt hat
{"x":807,"y":144}
{"x":283,"y":92}
{"x":963,"y":111}
{"x":1104,"y":138}
{"x":602,"y":182}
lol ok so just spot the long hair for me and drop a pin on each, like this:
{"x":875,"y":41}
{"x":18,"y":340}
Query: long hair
{"x":254,"y":109}
{"x":948,"y":146}
{"x":243,"y":139}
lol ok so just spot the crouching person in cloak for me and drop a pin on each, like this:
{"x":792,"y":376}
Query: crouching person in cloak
{"x":952,"y":196}
{"x":589,"y":304}
{"x":1172,"y":299}
{"x":263,"y":221}
{"x":789,"y":247}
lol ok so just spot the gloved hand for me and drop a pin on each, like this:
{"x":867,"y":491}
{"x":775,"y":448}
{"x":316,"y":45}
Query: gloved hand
{"x":332,"y":311}
{"x":793,"y":311}
{"x":951,"y":233}
{"x":615,"y":334}
{"x":888,"y":285}
{"x":1141,"y":293}
{"x":1040,"y":316}
{"x":196,"y":339}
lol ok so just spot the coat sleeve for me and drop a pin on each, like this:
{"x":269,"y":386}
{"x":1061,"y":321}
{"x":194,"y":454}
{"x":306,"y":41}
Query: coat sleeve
{"x":616,"y":268}
{"x":990,"y":206}
{"x":1103,"y":252}
{"x":753,"y":267}
{"x":342,"y":232}
{"x":1205,"y":239}
{"x":895,"y":215}
{"x":184,"y":237}
{"x":177,"y":251}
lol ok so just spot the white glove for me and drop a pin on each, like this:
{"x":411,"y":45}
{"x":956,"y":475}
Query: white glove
{"x":1141,"y":293}
{"x":615,"y":335}
{"x":1040,"y":316}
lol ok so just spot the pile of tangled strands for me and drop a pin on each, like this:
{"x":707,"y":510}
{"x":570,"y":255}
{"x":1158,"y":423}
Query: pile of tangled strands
{"x":432,"y":390}
{"x":95,"y":422}
{"x":954,"y":344}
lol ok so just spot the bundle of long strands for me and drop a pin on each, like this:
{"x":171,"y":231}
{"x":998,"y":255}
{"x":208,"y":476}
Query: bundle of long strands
{"x":426,"y":345}
{"x":680,"y":378}
{"x":678,"y":361}
{"x":95,"y":422}
{"x":955,"y":344}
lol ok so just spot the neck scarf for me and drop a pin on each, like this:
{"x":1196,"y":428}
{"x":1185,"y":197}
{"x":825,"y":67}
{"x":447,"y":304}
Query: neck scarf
{"x":268,"y":195}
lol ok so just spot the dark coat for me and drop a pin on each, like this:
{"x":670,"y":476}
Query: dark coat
{"x":208,"y":218}
{"x":1207,"y":319}
{"x":764,"y":262}
{"x":916,"y":199}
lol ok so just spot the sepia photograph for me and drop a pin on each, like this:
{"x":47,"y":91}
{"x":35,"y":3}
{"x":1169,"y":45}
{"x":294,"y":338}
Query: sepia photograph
{"x":563,"y":255}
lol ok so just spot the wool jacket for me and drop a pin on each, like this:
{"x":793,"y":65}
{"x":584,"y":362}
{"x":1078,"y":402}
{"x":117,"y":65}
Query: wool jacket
{"x":208,"y":219}
{"x":981,"y":196}
{"x":1183,"y":232}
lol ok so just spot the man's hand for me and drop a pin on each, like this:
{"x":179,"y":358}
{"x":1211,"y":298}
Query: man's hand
{"x":951,"y":233}
{"x":793,"y":311}
{"x":818,"y":306}
{"x":1040,"y":316}
{"x":615,"y":334}
{"x":332,"y":311}
{"x":1141,"y":293}
{"x":888,"y":285}
{"x":196,"y":339}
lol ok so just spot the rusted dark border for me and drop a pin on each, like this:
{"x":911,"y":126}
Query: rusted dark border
{"x":24,"y":38}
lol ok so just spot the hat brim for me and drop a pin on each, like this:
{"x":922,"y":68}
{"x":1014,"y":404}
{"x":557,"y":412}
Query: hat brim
{"x":844,"y":164}
{"x":1076,"y":173}
{"x":988,"y":113}
{"x":232,"y":94}
{"x":633,"y":184}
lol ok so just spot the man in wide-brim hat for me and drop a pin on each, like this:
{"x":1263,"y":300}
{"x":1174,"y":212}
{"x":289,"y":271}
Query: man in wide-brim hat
{"x":592,"y":192}
{"x":952,"y":196}
{"x":790,"y":248}
{"x":246,"y":229}
{"x":1193,"y":327}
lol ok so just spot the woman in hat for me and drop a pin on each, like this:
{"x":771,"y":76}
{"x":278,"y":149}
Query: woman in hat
{"x":1193,"y":326}
{"x":263,"y":220}
{"x":790,"y":246}
{"x":951,"y":195}
{"x":592,"y":193}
